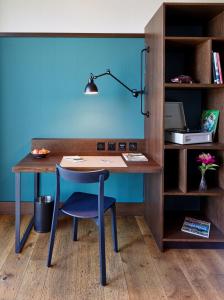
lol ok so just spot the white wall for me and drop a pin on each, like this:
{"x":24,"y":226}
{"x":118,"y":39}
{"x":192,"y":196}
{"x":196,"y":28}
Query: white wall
{"x":109,"y":16}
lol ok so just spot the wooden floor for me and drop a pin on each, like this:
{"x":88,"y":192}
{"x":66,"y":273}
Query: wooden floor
{"x":138,"y":271}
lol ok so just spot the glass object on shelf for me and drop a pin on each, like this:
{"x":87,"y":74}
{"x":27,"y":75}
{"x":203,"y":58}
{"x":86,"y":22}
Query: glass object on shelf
{"x":203,"y":184}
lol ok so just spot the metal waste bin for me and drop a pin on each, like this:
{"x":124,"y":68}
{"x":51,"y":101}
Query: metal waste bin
{"x":43,"y":212}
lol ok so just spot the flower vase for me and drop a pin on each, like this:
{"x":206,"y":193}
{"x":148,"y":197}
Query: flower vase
{"x":203,"y":184}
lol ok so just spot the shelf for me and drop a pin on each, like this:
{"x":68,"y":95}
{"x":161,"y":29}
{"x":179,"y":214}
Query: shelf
{"x":192,"y":40}
{"x":173,"y":233}
{"x":210,"y":146}
{"x":194,"y":192}
{"x":186,"y":41}
{"x":193,"y":86}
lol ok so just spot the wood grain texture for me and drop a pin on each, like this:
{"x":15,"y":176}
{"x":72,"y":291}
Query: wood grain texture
{"x":195,"y":57}
{"x":138,"y":271}
{"x":47,"y":165}
{"x":71,"y":35}
{"x":15,"y":266}
{"x":193,"y":86}
{"x":123,"y":208}
{"x":215,"y":206}
{"x":183,"y":170}
{"x":203,"y":62}
{"x":210,"y":146}
{"x":216,"y":25}
{"x":153,"y":211}
{"x":154,"y":133}
{"x":154,"y":92}
{"x":70,"y":146}
{"x":173,"y":280}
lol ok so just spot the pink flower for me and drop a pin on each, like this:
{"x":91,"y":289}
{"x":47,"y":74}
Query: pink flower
{"x":206,"y":159}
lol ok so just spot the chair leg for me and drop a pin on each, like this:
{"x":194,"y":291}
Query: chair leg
{"x":52,"y":237}
{"x":102,"y":252}
{"x":75,"y":228}
{"x":114,"y":227}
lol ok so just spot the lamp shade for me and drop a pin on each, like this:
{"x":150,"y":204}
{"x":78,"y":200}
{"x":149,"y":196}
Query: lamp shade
{"x":91,"y":88}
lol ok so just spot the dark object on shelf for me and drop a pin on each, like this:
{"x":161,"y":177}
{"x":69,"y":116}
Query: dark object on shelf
{"x":203,"y":184}
{"x":182,"y":79}
{"x":43,"y":212}
{"x":91,"y":88}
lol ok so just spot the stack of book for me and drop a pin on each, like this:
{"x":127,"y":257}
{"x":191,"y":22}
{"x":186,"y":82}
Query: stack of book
{"x":134,"y":157}
{"x":216,"y":67}
{"x":196,"y":227}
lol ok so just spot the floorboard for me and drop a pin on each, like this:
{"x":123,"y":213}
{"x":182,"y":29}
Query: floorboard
{"x":138,"y":272}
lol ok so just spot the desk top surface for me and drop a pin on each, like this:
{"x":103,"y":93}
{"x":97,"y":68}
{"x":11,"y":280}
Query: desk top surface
{"x":47,"y":165}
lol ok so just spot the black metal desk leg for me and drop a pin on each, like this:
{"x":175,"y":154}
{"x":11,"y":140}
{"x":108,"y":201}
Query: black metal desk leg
{"x":18,"y":209}
{"x":20,"y":243}
{"x":36,"y":185}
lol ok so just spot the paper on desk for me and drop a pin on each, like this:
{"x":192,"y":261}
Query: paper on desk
{"x":93,"y":162}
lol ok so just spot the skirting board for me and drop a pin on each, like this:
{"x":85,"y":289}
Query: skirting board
{"x":123,"y":209}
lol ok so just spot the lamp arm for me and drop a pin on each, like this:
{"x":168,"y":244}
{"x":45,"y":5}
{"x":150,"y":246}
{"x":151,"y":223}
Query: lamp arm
{"x":134,"y":92}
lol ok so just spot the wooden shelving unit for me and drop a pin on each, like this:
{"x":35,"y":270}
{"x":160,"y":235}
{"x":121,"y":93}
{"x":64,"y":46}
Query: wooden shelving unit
{"x":182,"y":37}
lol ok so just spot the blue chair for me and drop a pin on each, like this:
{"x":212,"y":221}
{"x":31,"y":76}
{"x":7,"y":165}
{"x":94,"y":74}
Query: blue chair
{"x":84,"y":205}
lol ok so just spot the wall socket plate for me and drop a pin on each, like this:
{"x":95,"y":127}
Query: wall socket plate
{"x":122,"y":146}
{"x":111,"y":146}
{"x":133,"y":146}
{"x":100,"y":146}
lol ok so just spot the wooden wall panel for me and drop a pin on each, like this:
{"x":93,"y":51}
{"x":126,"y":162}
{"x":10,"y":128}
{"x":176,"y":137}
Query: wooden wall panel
{"x":83,"y":146}
{"x":183,"y":170}
{"x":216,"y":25}
{"x":123,"y":208}
{"x":154,"y":91}
{"x":203,"y":60}
{"x":154,"y":135}
{"x":215,"y":206}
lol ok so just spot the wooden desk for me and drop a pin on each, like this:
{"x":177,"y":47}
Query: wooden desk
{"x":47,"y":165}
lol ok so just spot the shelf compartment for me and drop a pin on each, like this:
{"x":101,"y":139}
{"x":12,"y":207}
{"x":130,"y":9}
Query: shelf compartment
{"x":175,"y":170}
{"x":188,"y":57}
{"x":194,"y":19}
{"x":194,"y":176}
{"x":173,"y":233}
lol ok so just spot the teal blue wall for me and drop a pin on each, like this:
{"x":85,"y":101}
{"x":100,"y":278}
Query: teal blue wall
{"x":41,"y":95}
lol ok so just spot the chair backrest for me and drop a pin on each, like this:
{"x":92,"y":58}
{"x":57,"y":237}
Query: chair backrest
{"x":82,"y":177}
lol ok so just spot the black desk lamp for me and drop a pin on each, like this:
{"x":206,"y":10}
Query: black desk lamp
{"x":92,"y":89}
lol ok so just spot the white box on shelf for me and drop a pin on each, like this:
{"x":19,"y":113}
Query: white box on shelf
{"x":175,"y":127}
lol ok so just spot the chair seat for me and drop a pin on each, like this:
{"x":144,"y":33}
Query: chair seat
{"x":84,"y":205}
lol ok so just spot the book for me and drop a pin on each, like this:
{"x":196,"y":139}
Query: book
{"x":213,"y":69}
{"x":134,"y":157}
{"x":209,"y":120}
{"x":216,"y":69}
{"x":196,"y":227}
{"x":219,"y":67}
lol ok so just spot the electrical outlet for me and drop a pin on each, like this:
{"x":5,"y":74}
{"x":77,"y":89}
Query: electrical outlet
{"x":133,"y":146}
{"x":122,"y":146}
{"x":111,"y":146}
{"x":100,"y":146}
